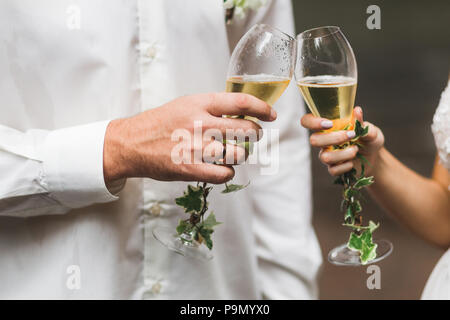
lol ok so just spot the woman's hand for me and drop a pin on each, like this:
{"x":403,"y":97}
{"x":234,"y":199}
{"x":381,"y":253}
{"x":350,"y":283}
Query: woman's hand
{"x":342,"y":160}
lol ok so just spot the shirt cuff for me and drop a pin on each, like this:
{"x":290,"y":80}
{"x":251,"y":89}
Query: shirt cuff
{"x":73,"y":165}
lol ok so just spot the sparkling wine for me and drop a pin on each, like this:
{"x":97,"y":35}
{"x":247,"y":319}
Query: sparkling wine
{"x":330,"y":97}
{"x":265,"y":87}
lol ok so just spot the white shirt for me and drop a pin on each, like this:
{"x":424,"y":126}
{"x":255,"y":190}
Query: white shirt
{"x":66,"y":69}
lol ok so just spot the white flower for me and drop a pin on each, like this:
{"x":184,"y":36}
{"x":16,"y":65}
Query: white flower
{"x":228,"y":4}
{"x":242,"y":6}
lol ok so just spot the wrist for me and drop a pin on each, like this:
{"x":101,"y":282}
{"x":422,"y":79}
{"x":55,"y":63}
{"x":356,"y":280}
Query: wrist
{"x":114,"y":163}
{"x":376,"y":163}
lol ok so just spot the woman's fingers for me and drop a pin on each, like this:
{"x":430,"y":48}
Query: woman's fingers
{"x":338,"y":156}
{"x":341,"y":168}
{"x":311,"y":122}
{"x":323,"y":140}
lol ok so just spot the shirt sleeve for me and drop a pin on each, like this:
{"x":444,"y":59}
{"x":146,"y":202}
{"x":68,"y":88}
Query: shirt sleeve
{"x":288,"y":252}
{"x":50,"y":172}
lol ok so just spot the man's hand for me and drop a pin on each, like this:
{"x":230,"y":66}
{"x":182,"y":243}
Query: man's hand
{"x":141,"y":146}
{"x":342,"y":160}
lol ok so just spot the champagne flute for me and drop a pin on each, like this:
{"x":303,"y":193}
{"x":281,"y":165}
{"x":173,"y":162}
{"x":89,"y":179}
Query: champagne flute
{"x":262,"y":64}
{"x":326,"y":74}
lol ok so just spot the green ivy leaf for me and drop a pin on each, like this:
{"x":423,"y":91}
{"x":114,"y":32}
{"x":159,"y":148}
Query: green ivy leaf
{"x":349,"y":214}
{"x":363,"y":182}
{"x":234,"y":187}
{"x":355,"y":242}
{"x":364,"y":244}
{"x":368,"y":253}
{"x":360,"y":130}
{"x":192,"y":200}
{"x":373,"y":226}
{"x":210,"y":222}
{"x":350,"y":192}
{"x":206,"y":235}
{"x":183,"y":226}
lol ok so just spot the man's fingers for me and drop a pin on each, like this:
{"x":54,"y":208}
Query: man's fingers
{"x":210,"y":173}
{"x":233,"y":103}
{"x":338,"y":156}
{"x":239,"y":129}
{"x":234,"y":155}
{"x":323,"y":140}
{"x":216,"y":152}
{"x":309,"y":121}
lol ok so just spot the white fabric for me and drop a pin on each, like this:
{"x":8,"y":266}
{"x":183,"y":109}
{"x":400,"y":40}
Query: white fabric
{"x":67,"y":68}
{"x":438,"y":285}
{"x":441,"y":128}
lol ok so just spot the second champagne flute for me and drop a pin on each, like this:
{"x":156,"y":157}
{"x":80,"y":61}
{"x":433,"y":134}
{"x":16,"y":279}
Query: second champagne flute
{"x":326,"y":75}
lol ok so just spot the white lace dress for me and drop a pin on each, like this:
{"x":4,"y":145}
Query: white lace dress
{"x":438,"y":285}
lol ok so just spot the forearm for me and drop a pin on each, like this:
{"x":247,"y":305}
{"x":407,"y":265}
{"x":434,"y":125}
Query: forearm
{"x":420,"y":203}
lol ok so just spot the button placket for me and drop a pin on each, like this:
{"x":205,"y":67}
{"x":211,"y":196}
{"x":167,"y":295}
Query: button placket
{"x":152,"y":72}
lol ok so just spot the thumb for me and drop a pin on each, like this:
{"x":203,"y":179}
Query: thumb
{"x":358,"y":114}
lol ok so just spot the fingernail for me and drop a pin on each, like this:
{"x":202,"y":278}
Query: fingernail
{"x":326,"y":124}
{"x":273,"y":114}
{"x":351,"y":134}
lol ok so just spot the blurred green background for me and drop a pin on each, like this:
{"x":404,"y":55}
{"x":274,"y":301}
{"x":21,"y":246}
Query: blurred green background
{"x":402,"y":70}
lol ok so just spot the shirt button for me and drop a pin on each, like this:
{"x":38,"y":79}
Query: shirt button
{"x":156,"y":288}
{"x":151,"y":52}
{"x":155,"y":210}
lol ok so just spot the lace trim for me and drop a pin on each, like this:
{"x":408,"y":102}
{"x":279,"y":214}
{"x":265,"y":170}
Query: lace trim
{"x":441,"y":128}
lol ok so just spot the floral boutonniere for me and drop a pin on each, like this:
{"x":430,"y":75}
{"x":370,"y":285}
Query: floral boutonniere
{"x":239,"y":8}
